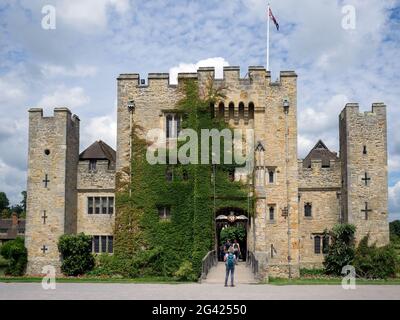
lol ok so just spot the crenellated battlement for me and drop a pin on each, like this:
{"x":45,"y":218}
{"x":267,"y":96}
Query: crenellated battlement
{"x":231,"y":74}
{"x":58,"y":113}
{"x":377,"y":108}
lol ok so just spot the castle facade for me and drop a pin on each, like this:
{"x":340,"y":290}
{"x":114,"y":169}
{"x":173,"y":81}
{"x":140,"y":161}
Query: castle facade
{"x":296,"y":201}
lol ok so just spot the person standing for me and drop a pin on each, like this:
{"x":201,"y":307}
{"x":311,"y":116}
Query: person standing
{"x":230,"y":261}
{"x":227,"y":245}
{"x":236,"y":249}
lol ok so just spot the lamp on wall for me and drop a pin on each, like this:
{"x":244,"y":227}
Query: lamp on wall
{"x":131,"y":106}
{"x":286,"y":106}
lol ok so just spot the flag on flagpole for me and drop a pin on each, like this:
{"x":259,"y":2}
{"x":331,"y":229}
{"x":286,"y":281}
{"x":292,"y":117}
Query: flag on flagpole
{"x":271,"y":15}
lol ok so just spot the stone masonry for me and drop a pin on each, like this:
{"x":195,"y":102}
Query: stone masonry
{"x":282,"y":237}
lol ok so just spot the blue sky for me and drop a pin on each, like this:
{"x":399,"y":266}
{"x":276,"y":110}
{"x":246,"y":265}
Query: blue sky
{"x":76,"y":64}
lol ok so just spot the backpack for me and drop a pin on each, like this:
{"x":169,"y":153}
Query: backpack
{"x":230,"y":261}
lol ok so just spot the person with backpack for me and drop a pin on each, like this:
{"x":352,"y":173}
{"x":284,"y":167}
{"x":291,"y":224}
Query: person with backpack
{"x":236,"y":250}
{"x":230,"y":261}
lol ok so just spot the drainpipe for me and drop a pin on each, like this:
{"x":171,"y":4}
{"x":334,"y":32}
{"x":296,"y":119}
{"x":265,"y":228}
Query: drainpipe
{"x":131,"y":109}
{"x":286,"y":111}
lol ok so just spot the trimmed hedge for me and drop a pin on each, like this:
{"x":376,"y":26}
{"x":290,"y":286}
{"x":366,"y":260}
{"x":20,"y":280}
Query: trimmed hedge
{"x":76,"y":252}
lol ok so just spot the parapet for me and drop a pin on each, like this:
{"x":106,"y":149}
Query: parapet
{"x":37,"y":113}
{"x":255,"y":75}
{"x":378,"y":108}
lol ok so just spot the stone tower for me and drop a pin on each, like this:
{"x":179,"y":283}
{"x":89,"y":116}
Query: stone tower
{"x":363,"y":153}
{"x":51,"y":190}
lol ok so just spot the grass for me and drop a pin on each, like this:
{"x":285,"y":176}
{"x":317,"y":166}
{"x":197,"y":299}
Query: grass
{"x":330,"y":281}
{"x":148,"y":280}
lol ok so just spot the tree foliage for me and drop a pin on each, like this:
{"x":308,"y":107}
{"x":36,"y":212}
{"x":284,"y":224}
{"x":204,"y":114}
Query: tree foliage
{"x":373,"y":262}
{"x":4,"y":202}
{"x":16,"y":254}
{"x":232,"y":233}
{"x":76,"y":252}
{"x":341,"y":249}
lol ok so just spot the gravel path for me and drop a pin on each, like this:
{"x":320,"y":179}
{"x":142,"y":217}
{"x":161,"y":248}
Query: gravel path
{"x":99,"y":291}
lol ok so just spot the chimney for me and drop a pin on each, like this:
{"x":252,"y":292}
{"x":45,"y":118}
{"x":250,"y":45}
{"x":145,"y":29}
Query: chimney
{"x":14,"y":218}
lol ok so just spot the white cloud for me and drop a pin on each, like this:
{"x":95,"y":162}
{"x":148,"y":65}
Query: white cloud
{"x":394,"y":200}
{"x":218,"y":63}
{"x":100,"y":128}
{"x":12,"y":182}
{"x":62,"y":96}
{"x":90,"y":15}
{"x":51,"y":70}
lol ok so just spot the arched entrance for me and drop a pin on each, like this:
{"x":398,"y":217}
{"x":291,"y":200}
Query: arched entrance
{"x":231,"y":223}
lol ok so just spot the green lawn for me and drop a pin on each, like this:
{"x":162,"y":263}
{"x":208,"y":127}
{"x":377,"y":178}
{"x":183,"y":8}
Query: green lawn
{"x":330,"y":281}
{"x":159,"y":280}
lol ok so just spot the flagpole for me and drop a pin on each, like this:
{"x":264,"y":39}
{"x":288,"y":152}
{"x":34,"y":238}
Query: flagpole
{"x":268,"y":18}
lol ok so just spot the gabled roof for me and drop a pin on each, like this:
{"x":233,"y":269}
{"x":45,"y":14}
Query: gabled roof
{"x":320,"y":152}
{"x":99,"y":150}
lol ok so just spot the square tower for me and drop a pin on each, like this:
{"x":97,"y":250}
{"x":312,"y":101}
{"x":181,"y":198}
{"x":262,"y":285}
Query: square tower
{"x":51,"y":190}
{"x":363,"y":153}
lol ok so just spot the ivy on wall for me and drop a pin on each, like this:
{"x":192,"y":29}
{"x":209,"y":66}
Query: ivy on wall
{"x":189,"y":233}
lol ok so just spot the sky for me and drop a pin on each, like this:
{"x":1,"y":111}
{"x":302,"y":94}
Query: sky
{"x":76,"y":64}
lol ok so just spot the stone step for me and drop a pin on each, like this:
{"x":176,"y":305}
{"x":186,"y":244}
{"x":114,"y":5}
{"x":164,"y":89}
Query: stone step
{"x":243,"y":274}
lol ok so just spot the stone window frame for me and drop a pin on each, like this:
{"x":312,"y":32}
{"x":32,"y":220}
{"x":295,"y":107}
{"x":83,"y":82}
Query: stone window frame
{"x":109,"y":242}
{"x":274,"y":175}
{"x":166,"y":212}
{"x":91,"y":205}
{"x":308,"y":204}
{"x":323,"y":243}
{"x":275,"y":208}
{"x":92,"y":165}
{"x":176,"y":128}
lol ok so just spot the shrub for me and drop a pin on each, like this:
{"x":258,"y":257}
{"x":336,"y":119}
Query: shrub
{"x":185,"y":272}
{"x":373,"y":262}
{"x":15,"y":252}
{"x":341,"y":250}
{"x":76,"y":252}
{"x":144,"y":263}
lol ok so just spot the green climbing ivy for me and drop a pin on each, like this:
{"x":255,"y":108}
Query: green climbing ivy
{"x":189,"y":233}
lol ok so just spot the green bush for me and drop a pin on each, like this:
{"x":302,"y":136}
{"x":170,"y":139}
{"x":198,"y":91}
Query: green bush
{"x":76,"y":252}
{"x":185,"y":272}
{"x":341,"y":249}
{"x":144,"y":263}
{"x":394,"y":227}
{"x":373,"y":262}
{"x":232,"y":233}
{"x":15,"y":252}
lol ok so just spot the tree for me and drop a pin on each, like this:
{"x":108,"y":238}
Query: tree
{"x":4,"y":203}
{"x":394,"y":229}
{"x":341,"y":250}
{"x":23,"y":201}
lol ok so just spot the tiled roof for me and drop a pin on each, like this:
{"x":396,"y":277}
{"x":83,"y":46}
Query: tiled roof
{"x":9,"y":231}
{"x":320,"y":152}
{"x":99,"y":150}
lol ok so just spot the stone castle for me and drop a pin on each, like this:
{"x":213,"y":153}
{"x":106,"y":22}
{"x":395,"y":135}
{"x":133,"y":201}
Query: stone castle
{"x":296,"y":200}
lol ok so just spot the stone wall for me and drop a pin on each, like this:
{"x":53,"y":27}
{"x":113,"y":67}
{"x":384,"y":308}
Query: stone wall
{"x":358,"y":131}
{"x":321,"y":188}
{"x":53,"y":150}
{"x":96,"y":183}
